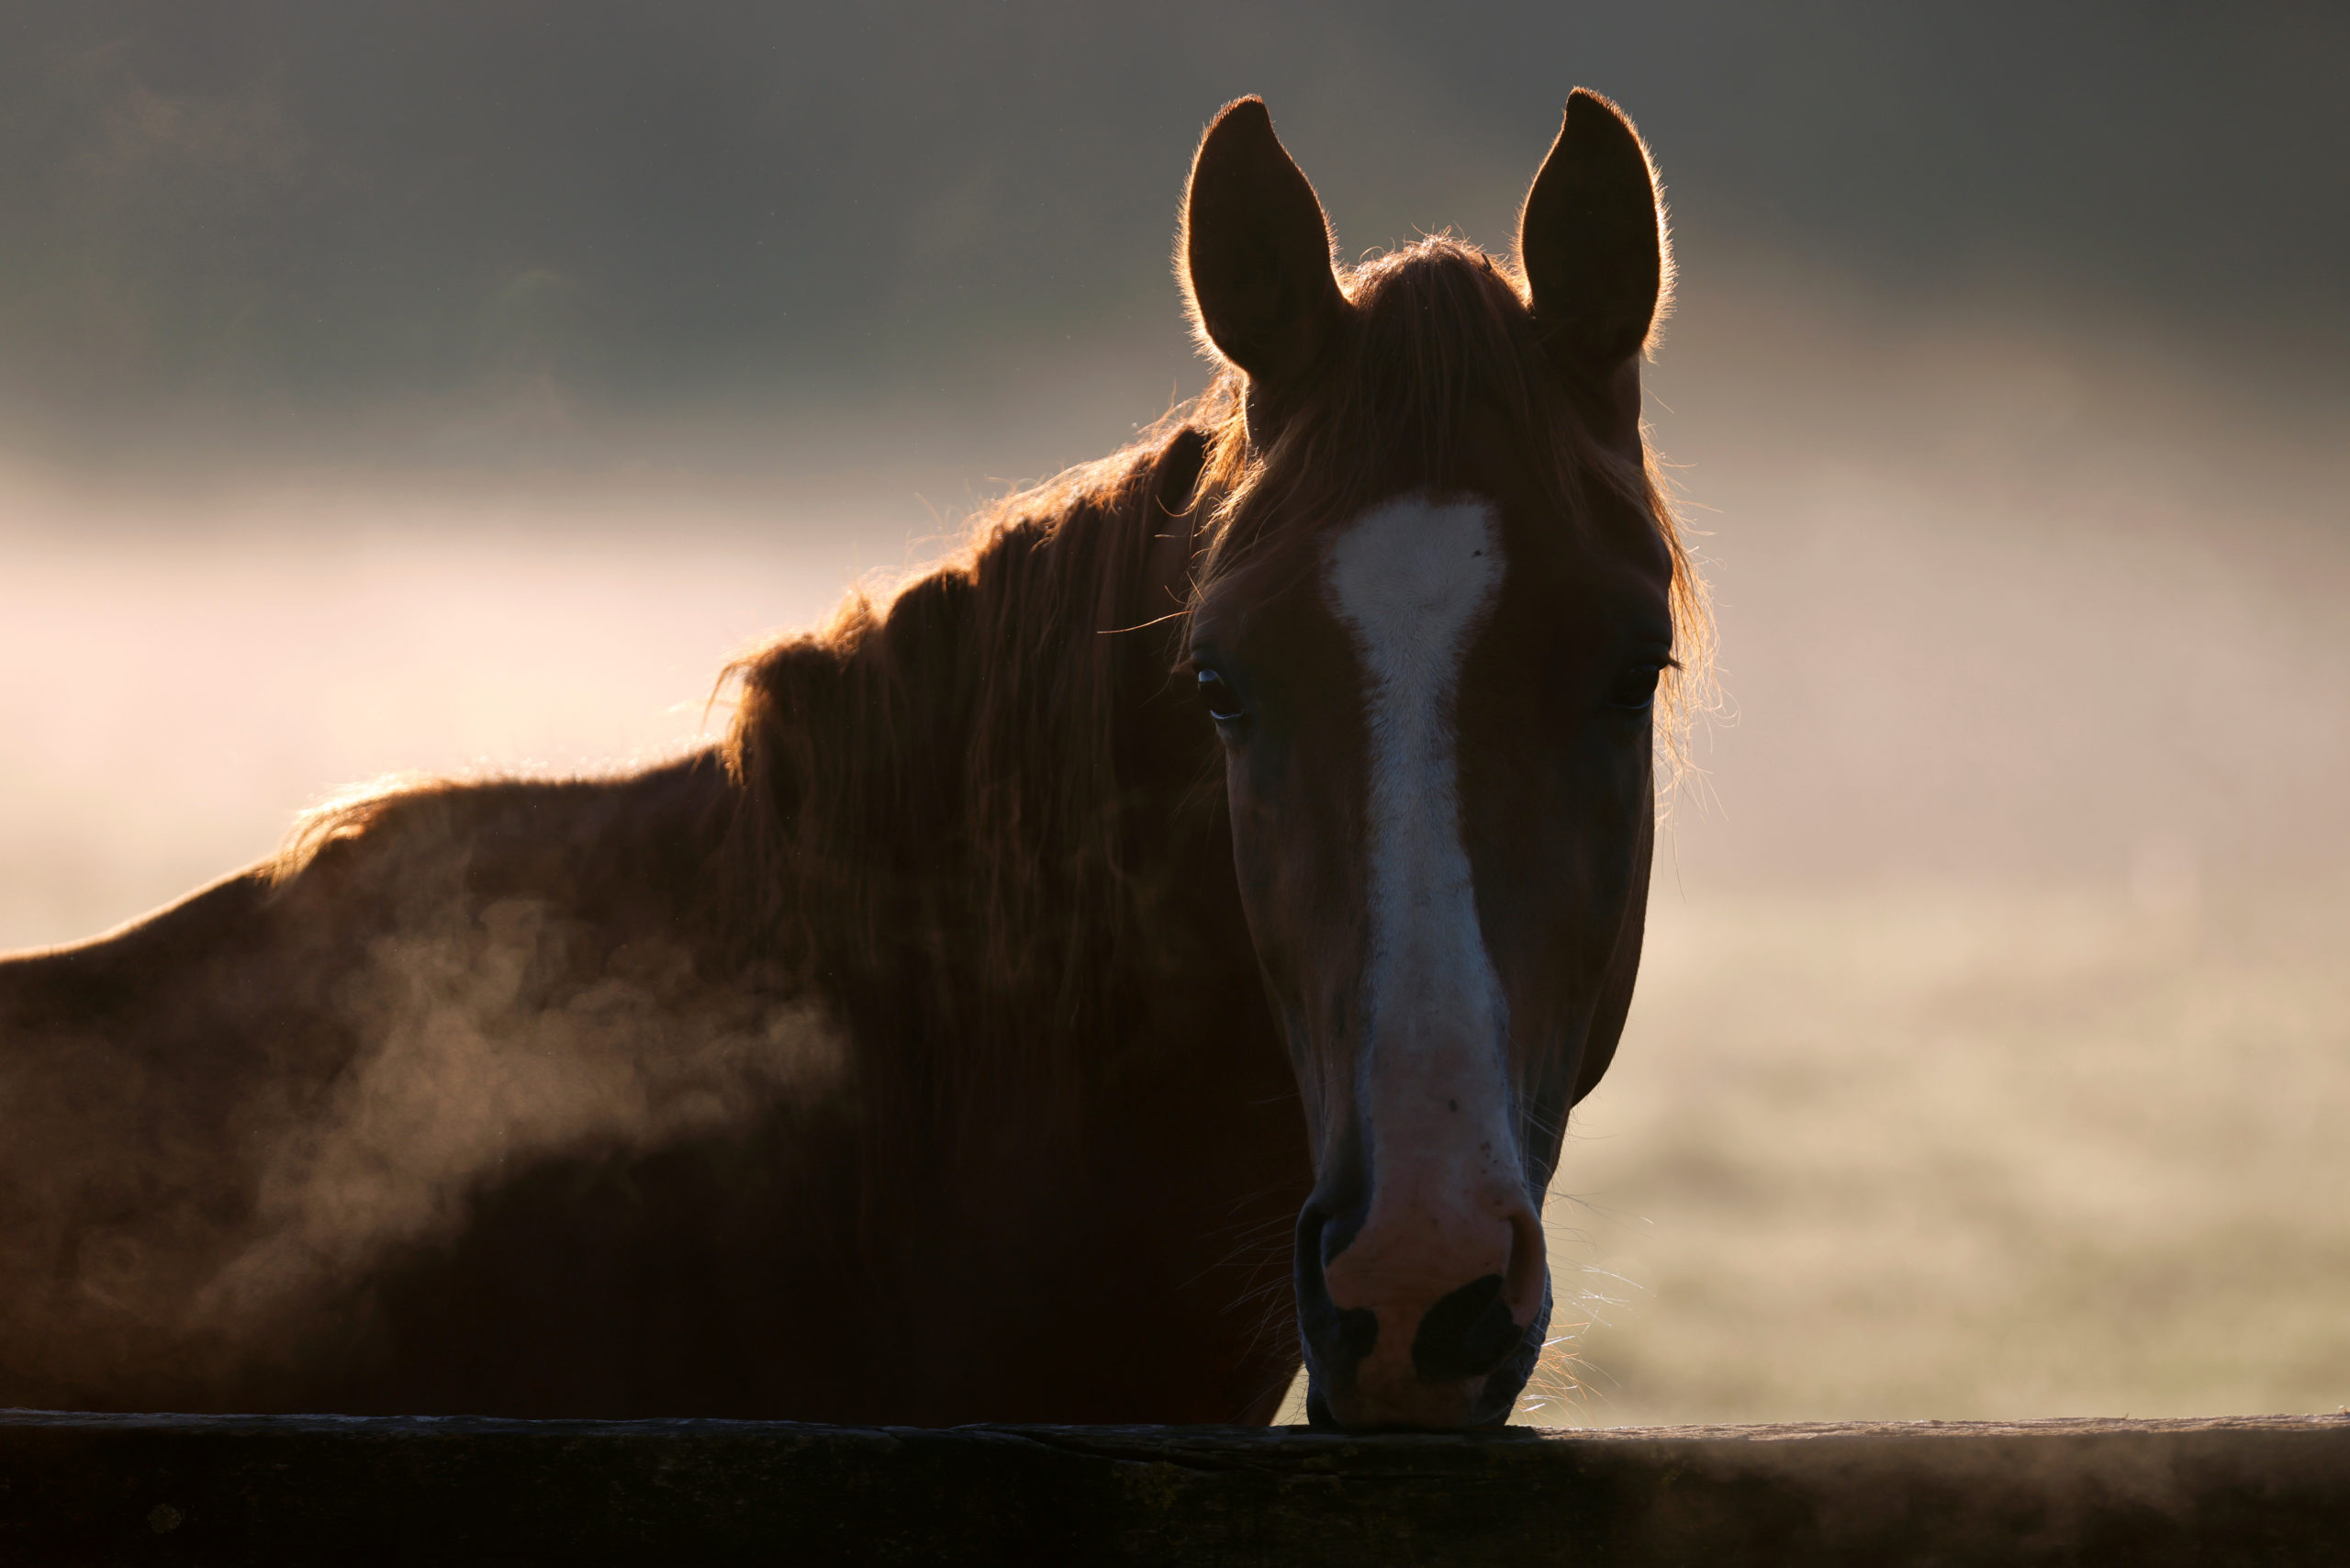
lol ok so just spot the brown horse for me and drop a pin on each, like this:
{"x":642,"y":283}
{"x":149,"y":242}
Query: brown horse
{"x":1231,"y":867}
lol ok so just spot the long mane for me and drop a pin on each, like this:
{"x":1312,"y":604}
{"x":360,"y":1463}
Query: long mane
{"x":941,"y":782}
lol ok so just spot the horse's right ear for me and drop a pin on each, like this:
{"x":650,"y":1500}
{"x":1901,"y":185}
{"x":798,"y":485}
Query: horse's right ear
{"x":1255,"y":252}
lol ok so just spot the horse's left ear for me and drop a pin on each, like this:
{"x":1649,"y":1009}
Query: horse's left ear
{"x":1255,"y":255}
{"x":1592,"y":243}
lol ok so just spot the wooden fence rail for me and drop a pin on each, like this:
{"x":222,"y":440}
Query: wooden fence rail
{"x":185,"y":1489}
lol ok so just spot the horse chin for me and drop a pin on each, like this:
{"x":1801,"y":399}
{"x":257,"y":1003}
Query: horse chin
{"x":1415,"y":1406}
{"x":1421,"y":1407}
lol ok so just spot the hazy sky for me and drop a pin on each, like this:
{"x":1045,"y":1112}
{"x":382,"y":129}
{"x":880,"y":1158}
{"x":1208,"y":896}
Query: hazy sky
{"x":294,"y":206}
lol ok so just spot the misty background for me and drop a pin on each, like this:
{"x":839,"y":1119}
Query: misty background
{"x":437,"y":387}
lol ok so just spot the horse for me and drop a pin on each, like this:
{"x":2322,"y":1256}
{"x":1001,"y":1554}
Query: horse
{"x":1160,"y":942}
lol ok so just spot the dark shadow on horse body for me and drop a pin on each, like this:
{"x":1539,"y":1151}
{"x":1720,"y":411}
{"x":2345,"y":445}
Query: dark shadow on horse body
{"x":930,"y":1050}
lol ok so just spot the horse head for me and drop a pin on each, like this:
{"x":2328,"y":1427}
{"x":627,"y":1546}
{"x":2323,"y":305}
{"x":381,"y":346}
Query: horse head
{"x":1435,"y":595}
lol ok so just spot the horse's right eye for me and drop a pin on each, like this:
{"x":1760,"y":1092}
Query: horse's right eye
{"x":1222,"y":702}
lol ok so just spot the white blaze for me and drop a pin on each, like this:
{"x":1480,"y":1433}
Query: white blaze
{"x":1413,"y":580}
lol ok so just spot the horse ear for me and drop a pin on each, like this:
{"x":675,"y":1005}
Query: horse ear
{"x":1592,"y":241}
{"x":1255,"y":252}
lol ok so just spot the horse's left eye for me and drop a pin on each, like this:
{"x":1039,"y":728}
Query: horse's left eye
{"x":1222,"y":702}
{"x":1635,"y":690}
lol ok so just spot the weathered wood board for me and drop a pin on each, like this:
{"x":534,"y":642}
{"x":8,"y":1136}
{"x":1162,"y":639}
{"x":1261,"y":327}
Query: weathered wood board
{"x":181,"y":1489}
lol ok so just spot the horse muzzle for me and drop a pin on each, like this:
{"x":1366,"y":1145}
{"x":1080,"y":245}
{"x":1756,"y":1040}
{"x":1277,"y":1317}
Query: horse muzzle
{"x":1427,"y":1314}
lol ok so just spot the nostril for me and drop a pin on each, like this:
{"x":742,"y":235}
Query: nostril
{"x":1355,"y":1334}
{"x":1467,"y":1334}
{"x":1474,"y":1330}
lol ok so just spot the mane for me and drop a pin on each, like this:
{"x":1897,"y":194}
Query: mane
{"x":941,"y":768}
{"x":946,"y":772}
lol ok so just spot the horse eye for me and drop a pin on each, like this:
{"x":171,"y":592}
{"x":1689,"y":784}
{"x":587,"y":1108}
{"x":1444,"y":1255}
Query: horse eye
{"x":1222,"y":702}
{"x":1635,"y":690}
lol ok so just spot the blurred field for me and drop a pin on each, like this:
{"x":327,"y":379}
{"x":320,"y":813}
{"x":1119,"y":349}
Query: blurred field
{"x":1947,"y":1152}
